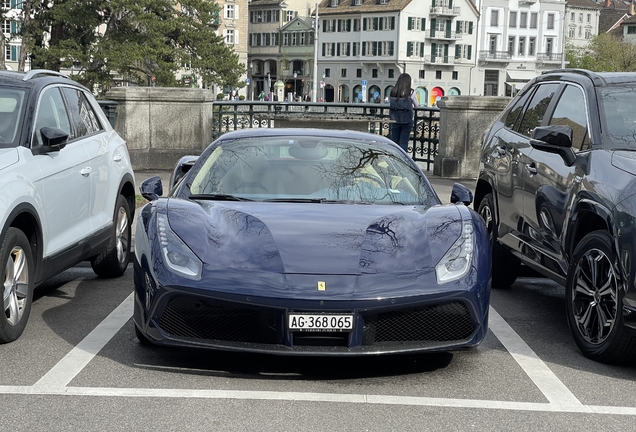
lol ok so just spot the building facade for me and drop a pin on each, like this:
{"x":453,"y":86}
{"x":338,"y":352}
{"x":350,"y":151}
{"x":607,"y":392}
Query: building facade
{"x":364,"y":45}
{"x":581,"y":21}
{"x":233,"y":26}
{"x":280,"y":42}
{"x":518,"y":40}
{"x":11,"y":17}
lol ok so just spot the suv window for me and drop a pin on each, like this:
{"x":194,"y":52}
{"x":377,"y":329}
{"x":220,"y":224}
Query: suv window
{"x":516,"y":110}
{"x":533,"y":116}
{"x":11,"y":101}
{"x":571,"y":111}
{"x":82,"y":114}
{"x":51,"y":113}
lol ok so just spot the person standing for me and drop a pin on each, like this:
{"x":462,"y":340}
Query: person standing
{"x":402,"y":100}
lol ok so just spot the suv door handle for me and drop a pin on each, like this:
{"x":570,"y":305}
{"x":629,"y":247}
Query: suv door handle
{"x":86,"y":171}
{"x":531,"y":167}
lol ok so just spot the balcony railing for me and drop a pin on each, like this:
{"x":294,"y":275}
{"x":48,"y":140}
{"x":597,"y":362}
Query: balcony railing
{"x":445,"y":11}
{"x":495,"y":55}
{"x":444,"y":34}
{"x":447,"y":60}
{"x":550,"y":57}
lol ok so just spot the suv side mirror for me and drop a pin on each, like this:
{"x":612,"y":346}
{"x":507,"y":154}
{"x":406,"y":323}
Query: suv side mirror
{"x":54,"y":140}
{"x":554,"y":139}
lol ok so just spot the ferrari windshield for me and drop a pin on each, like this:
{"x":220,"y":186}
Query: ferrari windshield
{"x":618,"y":108}
{"x":314,"y":170}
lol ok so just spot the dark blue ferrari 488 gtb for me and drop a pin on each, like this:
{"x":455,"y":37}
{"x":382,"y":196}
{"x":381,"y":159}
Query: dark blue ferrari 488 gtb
{"x":302,"y":241}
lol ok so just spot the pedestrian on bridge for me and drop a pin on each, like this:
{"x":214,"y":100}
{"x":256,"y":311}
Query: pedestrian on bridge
{"x":401,"y":103}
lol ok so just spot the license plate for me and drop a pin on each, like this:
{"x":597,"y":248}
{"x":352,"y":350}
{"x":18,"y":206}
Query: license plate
{"x":320,"y":322}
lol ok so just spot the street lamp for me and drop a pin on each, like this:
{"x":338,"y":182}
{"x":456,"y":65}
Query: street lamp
{"x":295,"y":76}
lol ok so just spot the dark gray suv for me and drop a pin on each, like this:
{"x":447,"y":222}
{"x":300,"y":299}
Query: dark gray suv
{"x":557,"y":189}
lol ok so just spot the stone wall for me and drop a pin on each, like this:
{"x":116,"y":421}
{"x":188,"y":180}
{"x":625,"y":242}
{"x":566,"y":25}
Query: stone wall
{"x":162,"y":124}
{"x":463,"y":120}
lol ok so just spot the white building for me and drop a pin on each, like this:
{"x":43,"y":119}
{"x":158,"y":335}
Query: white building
{"x":364,"y":45}
{"x":581,"y":21}
{"x":518,"y":40}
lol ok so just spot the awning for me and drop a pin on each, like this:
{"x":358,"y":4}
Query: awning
{"x":517,"y":85}
{"x":520,"y":75}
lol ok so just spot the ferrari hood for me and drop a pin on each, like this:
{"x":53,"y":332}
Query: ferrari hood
{"x":625,"y":160}
{"x":303,"y":238}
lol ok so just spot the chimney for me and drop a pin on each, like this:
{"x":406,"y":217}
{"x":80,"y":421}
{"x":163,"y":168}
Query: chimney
{"x":631,"y":9}
{"x":607,"y":3}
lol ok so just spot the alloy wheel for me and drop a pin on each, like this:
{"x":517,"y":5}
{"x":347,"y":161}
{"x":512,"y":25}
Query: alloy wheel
{"x":16,"y":285}
{"x":122,"y":235}
{"x":595,"y":296}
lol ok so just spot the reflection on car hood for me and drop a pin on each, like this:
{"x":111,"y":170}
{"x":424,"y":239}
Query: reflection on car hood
{"x":625,"y":160}
{"x":295,"y":238}
{"x":8,"y":157}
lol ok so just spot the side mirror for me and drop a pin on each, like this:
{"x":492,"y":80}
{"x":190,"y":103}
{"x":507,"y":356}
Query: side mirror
{"x":182,"y":167}
{"x":151,"y":188}
{"x":554,"y":139}
{"x":54,"y":140}
{"x":461,"y":194}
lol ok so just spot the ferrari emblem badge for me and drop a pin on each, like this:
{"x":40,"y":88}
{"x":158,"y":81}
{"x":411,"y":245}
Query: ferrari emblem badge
{"x":322,"y":286}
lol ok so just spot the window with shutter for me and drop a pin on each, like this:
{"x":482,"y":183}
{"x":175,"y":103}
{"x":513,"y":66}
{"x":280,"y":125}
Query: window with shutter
{"x":409,"y":49}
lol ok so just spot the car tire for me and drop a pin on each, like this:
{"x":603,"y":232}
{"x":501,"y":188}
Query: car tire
{"x":112,"y":262}
{"x":17,"y":259}
{"x":505,"y":267}
{"x":593,"y":294}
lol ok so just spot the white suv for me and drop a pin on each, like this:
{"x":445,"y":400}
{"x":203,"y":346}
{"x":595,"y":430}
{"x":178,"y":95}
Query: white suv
{"x":67,"y":188}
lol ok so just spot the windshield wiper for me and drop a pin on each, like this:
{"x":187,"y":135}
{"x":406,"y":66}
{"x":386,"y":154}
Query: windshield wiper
{"x":298,"y":200}
{"x":316,"y":201}
{"x":219,"y":197}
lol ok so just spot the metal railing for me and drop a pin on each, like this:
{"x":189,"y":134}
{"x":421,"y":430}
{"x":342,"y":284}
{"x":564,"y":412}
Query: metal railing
{"x":495,"y":55}
{"x":423,"y":143}
{"x":555,"y":57}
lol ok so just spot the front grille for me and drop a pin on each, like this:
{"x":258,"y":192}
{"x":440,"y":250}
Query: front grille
{"x":200,"y":318}
{"x":436,"y":323}
{"x":324,"y":339}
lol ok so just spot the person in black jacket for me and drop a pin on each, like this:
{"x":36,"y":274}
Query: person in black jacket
{"x":402,"y":101}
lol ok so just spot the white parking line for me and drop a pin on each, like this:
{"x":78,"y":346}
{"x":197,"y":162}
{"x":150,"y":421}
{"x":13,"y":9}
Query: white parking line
{"x":72,"y":364}
{"x":560,"y":399}
{"x":550,"y":385}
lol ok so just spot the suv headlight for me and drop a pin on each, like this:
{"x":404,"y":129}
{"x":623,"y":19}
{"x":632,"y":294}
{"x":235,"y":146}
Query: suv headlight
{"x":456,"y":263}
{"x":175,"y":253}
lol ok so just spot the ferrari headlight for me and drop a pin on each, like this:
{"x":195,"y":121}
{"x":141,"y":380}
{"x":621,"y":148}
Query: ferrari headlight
{"x":176,"y":254}
{"x":456,"y":263}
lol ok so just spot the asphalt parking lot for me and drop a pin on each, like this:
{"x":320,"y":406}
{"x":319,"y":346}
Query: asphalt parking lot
{"x":79,"y":358}
{"x":79,"y":366}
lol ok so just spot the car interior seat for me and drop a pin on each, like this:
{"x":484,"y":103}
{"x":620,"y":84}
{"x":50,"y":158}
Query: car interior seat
{"x":250,"y":174}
